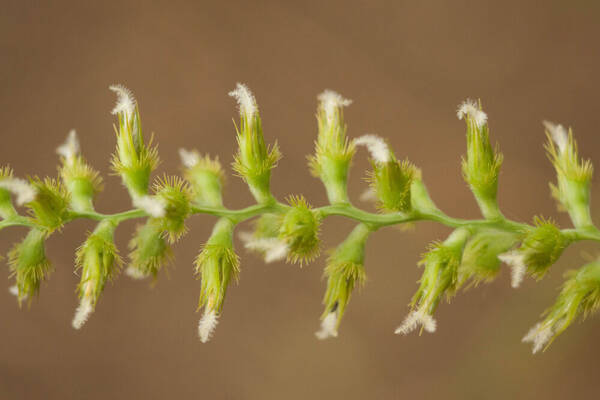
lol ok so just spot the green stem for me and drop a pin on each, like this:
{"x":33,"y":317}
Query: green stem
{"x":380,"y":220}
{"x":17,"y":220}
{"x":374,"y":221}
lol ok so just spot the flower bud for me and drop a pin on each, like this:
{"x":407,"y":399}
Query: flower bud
{"x":254,"y":159}
{"x":480,"y":261}
{"x":345,"y":270}
{"x":440,"y":276}
{"x":133,"y":160}
{"x":205,"y":176}
{"x":29,"y":265}
{"x":175,"y":195}
{"x":265,"y":238}
{"x":391,"y":180}
{"x":482,"y":164}
{"x":149,"y":251}
{"x":99,"y":261}
{"x":580,"y":295}
{"x":300,"y":231}
{"x":540,"y":248}
{"x":81,"y":180}
{"x":333,"y":150}
{"x":573,"y":175}
{"x":216,"y":264}
{"x":7,"y":210}
{"x":50,"y":208}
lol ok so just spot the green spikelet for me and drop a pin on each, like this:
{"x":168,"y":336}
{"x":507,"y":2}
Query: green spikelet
{"x":29,"y":265}
{"x":50,"y":208}
{"x":300,"y":228}
{"x":176,"y":196}
{"x":149,"y":251}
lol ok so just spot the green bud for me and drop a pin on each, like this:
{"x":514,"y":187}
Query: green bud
{"x":175,"y":195}
{"x":81,"y":180}
{"x":7,"y":210}
{"x":300,"y":230}
{"x":133,"y":160}
{"x":392,"y":182}
{"x":440,"y":276}
{"x":29,"y":265}
{"x":254,"y":159}
{"x":480,"y":261}
{"x":573,"y":175}
{"x":205,"y":176}
{"x":542,"y":246}
{"x":333,"y":150}
{"x":481,"y":166}
{"x":345,"y":270}
{"x":50,"y":208}
{"x":99,"y":262}
{"x":149,"y":251}
{"x":580,"y":295}
{"x":216,"y":264}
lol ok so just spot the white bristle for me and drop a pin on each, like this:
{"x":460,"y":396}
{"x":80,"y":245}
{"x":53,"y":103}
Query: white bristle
{"x":245,"y":99}
{"x":328,"y":326}
{"x":469,"y":108}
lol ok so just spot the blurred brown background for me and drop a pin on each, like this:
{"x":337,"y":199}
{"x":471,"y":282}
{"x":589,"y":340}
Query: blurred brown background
{"x":406,"y":65}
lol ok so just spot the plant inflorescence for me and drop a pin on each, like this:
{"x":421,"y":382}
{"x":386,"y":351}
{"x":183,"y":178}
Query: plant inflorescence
{"x":289,"y":230}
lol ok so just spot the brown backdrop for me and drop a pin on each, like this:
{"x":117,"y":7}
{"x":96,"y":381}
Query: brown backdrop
{"x":406,"y":65}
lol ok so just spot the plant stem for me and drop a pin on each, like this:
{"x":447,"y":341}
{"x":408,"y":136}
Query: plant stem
{"x":373,"y":220}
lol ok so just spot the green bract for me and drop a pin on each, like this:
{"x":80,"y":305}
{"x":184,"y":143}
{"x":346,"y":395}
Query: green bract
{"x":134,"y":161}
{"x":176,"y":197}
{"x":481,"y":166}
{"x":542,"y":246}
{"x":440,"y":273}
{"x":333,"y":150}
{"x":149,"y":251}
{"x":29,"y":265}
{"x":254,"y":160}
{"x":216,"y":264}
{"x":206,"y":178}
{"x":82,"y":182}
{"x":98,"y":261}
{"x":345,"y":270}
{"x":573,"y":175}
{"x":440,"y":276}
{"x":50,"y":208}
{"x":7,"y":210}
{"x":480,"y":261}
{"x":300,"y":230}
{"x":580,"y":296}
{"x":392,"y":182}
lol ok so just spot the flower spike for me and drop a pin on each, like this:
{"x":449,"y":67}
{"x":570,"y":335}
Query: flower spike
{"x":290,"y":230}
